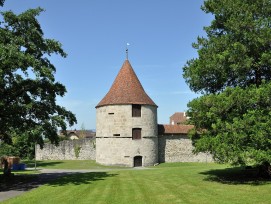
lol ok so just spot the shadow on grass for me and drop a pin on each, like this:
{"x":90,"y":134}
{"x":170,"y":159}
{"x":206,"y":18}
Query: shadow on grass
{"x":31,"y":164}
{"x":80,"y":178}
{"x":235,"y":175}
{"x":26,"y":182}
{"x":21,"y":182}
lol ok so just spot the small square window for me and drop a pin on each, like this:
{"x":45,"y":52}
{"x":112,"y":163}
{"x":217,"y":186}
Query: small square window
{"x":136,"y":133}
{"x":136,"y":110}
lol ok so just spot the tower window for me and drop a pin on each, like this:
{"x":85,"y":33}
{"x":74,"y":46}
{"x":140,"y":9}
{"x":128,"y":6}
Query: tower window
{"x":136,"y":133}
{"x":136,"y":110}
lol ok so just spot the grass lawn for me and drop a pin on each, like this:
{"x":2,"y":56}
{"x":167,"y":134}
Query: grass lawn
{"x":166,"y":183}
{"x":67,"y":164}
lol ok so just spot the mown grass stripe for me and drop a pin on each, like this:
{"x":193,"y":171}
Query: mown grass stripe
{"x":167,"y":183}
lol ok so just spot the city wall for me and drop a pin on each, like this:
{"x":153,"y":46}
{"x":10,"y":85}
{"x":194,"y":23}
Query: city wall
{"x":82,"y":149}
{"x":178,"y":148}
{"x":171,"y":148}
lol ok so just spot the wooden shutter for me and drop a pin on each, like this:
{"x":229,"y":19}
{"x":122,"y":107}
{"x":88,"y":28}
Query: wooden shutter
{"x":136,"y":133}
{"x":136,"y":110}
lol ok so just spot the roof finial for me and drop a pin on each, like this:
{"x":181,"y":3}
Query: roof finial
{"x":127,"y":44}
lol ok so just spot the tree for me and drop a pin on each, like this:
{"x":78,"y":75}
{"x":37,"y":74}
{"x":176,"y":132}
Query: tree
{"x":28,"y":89}
{"x":2,"y":2}
{"x":236,"y":51}
{"x":83,"y":132}
{"x":232,"y":72}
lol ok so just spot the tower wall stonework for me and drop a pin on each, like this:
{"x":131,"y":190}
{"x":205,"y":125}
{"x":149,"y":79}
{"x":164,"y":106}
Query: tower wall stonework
{"x":114,"y":143}
{"x":121,"y":151}
{"x":117,"y":119}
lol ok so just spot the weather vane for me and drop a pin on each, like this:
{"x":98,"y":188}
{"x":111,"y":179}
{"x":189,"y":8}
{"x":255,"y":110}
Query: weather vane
{"x":127,"y":44}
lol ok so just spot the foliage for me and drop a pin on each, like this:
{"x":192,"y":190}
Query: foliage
{"x":232,"y":72}
{"x":2,"y":2}
{"x":62,"y":138}
{"x":28,"y":89}
{"x":8,"y":150}
{"x":83,"y":131}
{"x":94,"y":144}
{"x":77,"y":150}
{"x":236,"y":51}
{"x":22,"y":146}
{"x":235,"y":125}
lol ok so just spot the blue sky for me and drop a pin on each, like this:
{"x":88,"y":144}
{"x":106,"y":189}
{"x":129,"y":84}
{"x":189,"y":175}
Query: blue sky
{"x":94,"y":33}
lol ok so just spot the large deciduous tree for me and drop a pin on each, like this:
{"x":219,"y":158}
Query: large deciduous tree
{"x":28,"y":89}
{"x":233,"y":74}
{"x":2,"y":2}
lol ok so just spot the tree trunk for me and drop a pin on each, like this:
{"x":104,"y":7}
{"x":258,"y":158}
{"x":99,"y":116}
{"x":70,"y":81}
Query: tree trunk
{"x":6,"y":170}
{"x":265,"y":170}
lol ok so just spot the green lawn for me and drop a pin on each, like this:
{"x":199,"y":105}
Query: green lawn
{"x":67,"y":164}
{"x":166,"y":183}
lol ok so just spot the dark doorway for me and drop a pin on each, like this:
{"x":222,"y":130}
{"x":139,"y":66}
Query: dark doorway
{"x":137,"y":161}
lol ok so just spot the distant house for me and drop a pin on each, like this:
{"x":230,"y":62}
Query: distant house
{"x":174,"y":129}
{"x":76,"y":134}
{"x":178,"y":118}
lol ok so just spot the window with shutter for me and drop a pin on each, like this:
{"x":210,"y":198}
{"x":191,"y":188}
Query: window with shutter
{"x":136,"y":133}
{"x":136,"y":110}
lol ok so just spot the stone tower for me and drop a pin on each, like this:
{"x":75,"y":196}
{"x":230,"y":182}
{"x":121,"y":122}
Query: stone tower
{"x":126,"y":123}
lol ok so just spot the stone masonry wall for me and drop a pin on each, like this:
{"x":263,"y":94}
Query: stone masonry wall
{"x":171,"y":148}
{"x":121,"y":151}
{"x":117,"y":119}
{"x":178,"y":148}
{"x":115,"y":146}
{"x":68,"y":150}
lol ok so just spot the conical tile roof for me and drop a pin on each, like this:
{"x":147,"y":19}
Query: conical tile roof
{"x":126,"y":89}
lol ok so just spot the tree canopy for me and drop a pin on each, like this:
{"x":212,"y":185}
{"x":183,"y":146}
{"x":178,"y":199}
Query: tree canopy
{"x":236,"y":51}
{"x":28,"y":89}
{"x":2,"y":2}
{"x":232,"y":118}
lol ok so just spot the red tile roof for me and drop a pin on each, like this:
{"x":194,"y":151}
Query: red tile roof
{"x":174,"y":129}
{"x":83,"y":133}
{"x":178,"y":117}
{"x":126,"y":89}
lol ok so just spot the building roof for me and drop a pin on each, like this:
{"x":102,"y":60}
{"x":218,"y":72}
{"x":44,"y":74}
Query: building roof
{"x":174,"y":129}
{"x":126,"y":89}
{"x":178,"y":117}
{"x":79,"y":133}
